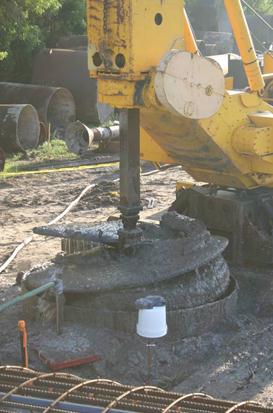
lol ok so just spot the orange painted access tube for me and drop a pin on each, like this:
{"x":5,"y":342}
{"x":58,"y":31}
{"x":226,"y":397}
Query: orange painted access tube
{"x":23,"y":342}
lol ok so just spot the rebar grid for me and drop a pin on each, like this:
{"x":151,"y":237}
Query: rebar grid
{"x":63,"y":392}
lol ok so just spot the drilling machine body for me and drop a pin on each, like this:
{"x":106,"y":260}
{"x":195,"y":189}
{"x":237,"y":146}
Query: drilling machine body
{"x":173,"y":107}
{"x":180,"y":107}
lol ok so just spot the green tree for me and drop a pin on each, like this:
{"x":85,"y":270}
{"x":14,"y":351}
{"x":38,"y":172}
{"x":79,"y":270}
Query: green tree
{"x":261,"y":6}
{"x":70,"y":19}
{"x":28,"y":25}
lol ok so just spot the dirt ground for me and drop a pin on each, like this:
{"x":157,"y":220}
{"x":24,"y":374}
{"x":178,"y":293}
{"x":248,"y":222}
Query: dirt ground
{"x":232,"y":362}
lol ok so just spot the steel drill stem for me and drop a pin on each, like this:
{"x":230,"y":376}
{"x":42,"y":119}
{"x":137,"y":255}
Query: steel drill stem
{"x":129,"y":167}
{"x":59,"y":313}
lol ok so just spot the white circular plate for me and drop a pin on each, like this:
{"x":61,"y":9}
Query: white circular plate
{"x":190,"y":85}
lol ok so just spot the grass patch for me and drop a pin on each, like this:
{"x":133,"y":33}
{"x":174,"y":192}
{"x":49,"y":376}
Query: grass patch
{"x":54,"y":150}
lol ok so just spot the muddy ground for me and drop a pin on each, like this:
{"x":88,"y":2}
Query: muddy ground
{"x":235,"y":361}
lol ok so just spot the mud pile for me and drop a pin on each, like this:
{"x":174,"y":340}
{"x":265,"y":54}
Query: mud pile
{"x":177,"y":259}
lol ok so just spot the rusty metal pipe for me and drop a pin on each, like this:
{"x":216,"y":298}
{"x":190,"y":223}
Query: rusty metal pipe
{"x":19,"y":127}
{"x":79,"y":137}
{"x":43,"y":133}
{"x":2,"y":160}
{"x":55,"y":106}
{"x":69,"y":69}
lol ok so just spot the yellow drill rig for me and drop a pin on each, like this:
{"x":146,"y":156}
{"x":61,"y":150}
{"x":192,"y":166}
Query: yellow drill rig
{"x":179,"y":107}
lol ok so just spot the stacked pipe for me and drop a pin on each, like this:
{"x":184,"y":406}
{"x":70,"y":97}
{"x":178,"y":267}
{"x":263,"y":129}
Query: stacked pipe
{"x":62,"y":91}
{"x":55,"y":106}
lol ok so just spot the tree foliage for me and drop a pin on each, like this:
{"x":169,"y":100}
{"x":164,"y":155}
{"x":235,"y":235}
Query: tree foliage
{"x":27,"y":25}
{"x":261,"y":6}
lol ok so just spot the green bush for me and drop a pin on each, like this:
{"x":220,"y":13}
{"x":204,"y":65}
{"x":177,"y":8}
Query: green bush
{"x":28,"y":25}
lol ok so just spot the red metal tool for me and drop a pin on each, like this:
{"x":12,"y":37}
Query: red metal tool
{"x":61,"y":365}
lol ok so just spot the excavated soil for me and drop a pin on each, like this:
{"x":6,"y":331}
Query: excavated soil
{"x":231,"y":362}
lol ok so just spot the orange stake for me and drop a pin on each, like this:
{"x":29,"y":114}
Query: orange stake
{"x":23,"y":342}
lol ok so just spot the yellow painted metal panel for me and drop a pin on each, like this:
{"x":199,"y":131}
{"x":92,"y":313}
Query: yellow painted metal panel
{"x":117,"y":94}
{"x":151,"y":40}
{"x":268,"y":62}
{"x":250,"y":100}
{"x":151,"y":151}
{"x":136,"y":31}
{"x":262,"y":119}
{"x":206,"y":148}
{"x":250,"y":140}
{"x":229,"y":81}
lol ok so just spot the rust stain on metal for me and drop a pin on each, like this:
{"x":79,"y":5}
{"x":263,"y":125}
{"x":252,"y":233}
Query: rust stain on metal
{"x":120,"y":11}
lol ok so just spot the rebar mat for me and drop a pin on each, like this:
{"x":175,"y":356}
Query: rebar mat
{"x":25,"y":389}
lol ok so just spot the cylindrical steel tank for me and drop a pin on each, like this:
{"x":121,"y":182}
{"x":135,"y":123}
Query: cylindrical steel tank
{"x":19,"y":127}
{"x":69,"y":69}
{"x":55,"y":106}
